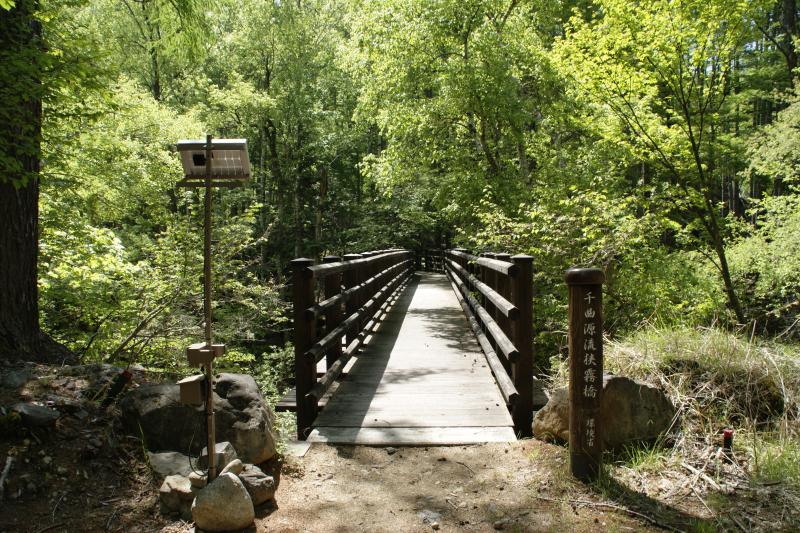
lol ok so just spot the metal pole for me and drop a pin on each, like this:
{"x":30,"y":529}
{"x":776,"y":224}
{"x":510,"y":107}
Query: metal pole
{"x":212,"y":455}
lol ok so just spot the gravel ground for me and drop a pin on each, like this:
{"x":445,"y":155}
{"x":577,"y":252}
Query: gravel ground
{"x":511,"y":487}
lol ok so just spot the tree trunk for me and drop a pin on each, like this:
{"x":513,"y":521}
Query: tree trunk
{"x":712,"y":224}
{"x":20,"y":135}
{"x":320,"y":211}
{"x":19,"y":302}
{"x":152,"y":43}
{"x":789,"y":23}
{"x":21,"y":50}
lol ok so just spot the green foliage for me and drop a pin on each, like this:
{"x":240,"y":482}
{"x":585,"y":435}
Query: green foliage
{"x":776,"y":458}
{"x":766,"y":263}
{"x":629,"y":136}
{"x":121,"y":249}
{"x":455,"y":87}
{"x":774,"y":152}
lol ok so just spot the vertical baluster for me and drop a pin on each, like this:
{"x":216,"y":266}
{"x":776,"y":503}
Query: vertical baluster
{"x":350,"y":280}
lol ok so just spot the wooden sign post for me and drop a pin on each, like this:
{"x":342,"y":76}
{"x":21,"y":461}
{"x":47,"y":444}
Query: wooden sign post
{"x":585,"y":371}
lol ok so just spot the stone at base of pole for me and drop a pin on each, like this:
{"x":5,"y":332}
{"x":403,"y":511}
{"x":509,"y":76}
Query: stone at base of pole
{"x":584,"y":467}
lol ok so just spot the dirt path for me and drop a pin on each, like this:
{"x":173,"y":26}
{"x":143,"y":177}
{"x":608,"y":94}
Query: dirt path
{"x":511,"y":487}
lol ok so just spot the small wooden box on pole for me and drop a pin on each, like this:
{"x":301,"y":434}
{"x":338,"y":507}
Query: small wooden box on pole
{"x":585,"y":371}
{"x":192,"y":389}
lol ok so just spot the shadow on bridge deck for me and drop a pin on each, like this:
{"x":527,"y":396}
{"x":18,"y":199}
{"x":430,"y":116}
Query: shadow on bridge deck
{"x":421,"y":379}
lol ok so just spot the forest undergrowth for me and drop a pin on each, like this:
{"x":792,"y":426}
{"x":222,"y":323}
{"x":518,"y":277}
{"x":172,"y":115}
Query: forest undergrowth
{"x":717,"y":380}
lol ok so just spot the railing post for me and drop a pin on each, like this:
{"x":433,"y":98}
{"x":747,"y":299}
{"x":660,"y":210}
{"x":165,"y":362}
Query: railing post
{"x":522,"y":298}
{"x":350,"y":280}
{"x":304,"y":336}
{"x":333,"y":316}
{"x":585,"y":371}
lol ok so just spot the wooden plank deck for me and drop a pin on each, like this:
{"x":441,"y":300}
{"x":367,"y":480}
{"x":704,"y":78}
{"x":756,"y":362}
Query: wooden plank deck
{"x":420,"y":380}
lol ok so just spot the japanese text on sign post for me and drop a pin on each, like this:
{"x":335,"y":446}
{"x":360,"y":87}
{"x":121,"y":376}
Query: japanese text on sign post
{"x":586,"y":370}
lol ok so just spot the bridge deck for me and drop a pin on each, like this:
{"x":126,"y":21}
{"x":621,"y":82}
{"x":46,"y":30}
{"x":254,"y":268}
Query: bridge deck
{"x":421,"y":379}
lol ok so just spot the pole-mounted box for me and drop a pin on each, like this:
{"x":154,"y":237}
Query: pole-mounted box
{"x":193,"y":389}
{"x":201,"y":354}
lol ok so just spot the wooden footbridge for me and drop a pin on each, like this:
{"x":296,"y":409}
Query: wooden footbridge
{"x":392,"y":348}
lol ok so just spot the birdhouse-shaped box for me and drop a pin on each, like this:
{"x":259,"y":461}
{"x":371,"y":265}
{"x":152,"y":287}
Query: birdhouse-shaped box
{"x":193,"y":389}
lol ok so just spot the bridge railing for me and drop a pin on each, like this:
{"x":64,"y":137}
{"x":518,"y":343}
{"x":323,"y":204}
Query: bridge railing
{"x":433,"y":260}
{"x":496,"y":293}
{"x":334,"y":302}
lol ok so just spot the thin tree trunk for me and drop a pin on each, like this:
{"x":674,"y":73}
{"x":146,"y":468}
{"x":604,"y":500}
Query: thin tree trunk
{"x":320,"y":212}
{"x":712,"y":225}
{"x":152,"y":38}
{"x":789,"y":23}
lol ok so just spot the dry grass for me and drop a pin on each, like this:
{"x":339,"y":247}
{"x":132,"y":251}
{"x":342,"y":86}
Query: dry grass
{"x":718,"y":380}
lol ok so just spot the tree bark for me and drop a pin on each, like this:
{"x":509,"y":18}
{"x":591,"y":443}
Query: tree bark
{"x":20,"y":36}
{"x":19,"y":297}
{"x":789,"y":23}
{"x":21,"y":49}
{"x":153,"y":37}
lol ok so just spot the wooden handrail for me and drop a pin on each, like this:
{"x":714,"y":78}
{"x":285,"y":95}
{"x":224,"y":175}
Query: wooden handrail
{"x":502,"y":321}
{"x":503,"y":267}
{"x":504,"y":381}
{"x":362,"y":284}
{"x":498,"y":335}
{"x":504,"y":306}
{"x":332,"y":374}
{"x":326,"y":269}
{"x":318,"y":349}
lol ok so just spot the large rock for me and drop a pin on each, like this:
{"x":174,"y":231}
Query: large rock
{"x":235,"y":467}
{"x":247,"y":420}
{"x":260,"y":486}
{"x":223,"y":505}
{"x":176,"y":495}
{"x":170,"y":463}
{"x":36,"y":416}
{"x":631,"y":411}
{"x":551,"y":422}
{"x":16,"y":378}
{"x":242,"y":417}
{"x":224,"y":453}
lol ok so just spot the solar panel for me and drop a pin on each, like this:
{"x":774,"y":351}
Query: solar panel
{"x":230,"y":165}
